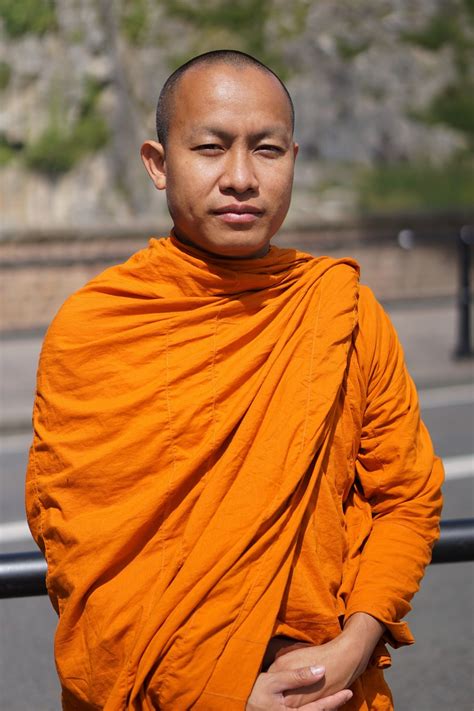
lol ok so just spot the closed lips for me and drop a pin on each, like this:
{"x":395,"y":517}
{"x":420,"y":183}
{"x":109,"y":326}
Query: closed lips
{"x":238,"y":209}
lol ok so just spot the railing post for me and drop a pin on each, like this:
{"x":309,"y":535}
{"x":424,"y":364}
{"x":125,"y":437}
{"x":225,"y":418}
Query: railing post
{"x":465,"y":241}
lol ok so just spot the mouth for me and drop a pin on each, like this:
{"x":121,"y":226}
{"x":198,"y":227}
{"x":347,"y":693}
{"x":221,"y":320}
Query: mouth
{"x":238,"y":213}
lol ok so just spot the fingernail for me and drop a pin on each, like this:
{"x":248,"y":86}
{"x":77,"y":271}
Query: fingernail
{"x":317,"y":670}
{"x":349,"y":694}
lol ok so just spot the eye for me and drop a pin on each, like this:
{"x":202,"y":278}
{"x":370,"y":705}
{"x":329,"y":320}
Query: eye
{"x":209,"y":149}
{"x":270,"y":150}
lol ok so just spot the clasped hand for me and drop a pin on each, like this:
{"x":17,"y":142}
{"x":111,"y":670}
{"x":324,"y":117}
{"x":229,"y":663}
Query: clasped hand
{"x":271,"y":691}
{"x":316,"y":678}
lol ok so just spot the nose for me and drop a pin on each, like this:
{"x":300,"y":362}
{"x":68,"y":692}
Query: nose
{"x":238,"y":175}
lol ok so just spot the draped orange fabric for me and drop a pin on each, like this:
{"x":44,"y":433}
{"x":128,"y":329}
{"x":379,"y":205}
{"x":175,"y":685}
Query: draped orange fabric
{"x":223,"y":451}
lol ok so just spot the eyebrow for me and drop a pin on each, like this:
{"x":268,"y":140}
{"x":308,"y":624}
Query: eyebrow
{"x":267,"y":132}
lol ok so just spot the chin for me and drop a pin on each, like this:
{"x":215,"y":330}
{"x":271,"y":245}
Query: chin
{"x":238,"y":243}
{"x":239,"y":248}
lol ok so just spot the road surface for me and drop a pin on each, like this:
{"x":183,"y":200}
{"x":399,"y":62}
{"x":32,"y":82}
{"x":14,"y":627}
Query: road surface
{"x":433,"y":675}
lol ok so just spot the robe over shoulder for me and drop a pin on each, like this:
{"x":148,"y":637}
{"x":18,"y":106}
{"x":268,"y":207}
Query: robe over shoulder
{"x":223,"y":452}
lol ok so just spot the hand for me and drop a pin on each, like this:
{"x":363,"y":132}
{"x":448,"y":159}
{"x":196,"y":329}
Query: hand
{"x":344,"y":658}
{"x":268,"y":691}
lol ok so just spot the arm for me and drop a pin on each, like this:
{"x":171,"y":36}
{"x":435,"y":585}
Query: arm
{"x":398,"y":480}
{"x":398,"y":475}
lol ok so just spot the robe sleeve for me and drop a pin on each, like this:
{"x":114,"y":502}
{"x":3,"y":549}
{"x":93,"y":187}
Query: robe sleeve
{"x":397,"y":473}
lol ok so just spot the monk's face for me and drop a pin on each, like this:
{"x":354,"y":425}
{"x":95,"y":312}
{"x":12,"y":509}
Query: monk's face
{"x":229,"y":159}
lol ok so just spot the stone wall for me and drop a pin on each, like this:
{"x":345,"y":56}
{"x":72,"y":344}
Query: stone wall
{"x":39,"y":271}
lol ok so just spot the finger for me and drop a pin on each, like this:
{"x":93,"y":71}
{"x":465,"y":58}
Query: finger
{"x":329,"y":703}
{"x":295,"y":678}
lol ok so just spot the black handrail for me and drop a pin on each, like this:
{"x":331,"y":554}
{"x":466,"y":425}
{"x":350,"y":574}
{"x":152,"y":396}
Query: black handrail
{"x":456,"y":543}
{"x":23,"y":574}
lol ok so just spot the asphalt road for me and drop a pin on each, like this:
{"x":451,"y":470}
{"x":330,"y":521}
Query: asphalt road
{"x":433,"y":675}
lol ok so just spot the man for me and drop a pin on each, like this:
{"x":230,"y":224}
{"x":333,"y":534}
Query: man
{"x":229,"y":478}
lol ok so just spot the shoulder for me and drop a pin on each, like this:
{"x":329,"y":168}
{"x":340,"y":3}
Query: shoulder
{"x":376,"y":343}
{"x":102,"y":302}
{"x":374,"y":325}
{"x":94,"y":330}
{"x":371,"y":312}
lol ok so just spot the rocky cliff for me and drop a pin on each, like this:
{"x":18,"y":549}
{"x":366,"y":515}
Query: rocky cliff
{"x":376,"y":83}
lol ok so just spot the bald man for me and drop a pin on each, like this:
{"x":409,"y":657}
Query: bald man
{"x":229,"y":477}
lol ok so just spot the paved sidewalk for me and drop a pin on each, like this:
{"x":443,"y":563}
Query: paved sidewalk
{"x":427,"y":331}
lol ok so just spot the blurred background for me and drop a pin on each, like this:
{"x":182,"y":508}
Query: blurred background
{"x":384,"y":98}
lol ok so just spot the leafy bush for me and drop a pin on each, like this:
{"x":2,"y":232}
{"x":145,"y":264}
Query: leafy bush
{"x":453,"y":105}
{"x":7,"y":150}
{"x":243,"y":24}
{"x":54,"y":152}
{"x":21,"y":17}
{"x":348,"y":49}
{"x":134,"y":20}
{"x":59,"y":148}
{"x":5,"y":75}
{"x":442,"y":29}
{"x":407,"y":186}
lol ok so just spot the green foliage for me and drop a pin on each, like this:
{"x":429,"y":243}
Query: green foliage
{"x":246,"y":18}
{"x":21,"y":17}
{"x":469,"y":7}
{"x":240,"y":25}
{"x":348,"y":49}
{"x":59,"y":148}
{"x":5,"y":75}
{"x":53,"y":152}
{"x":443,"y":29}
{"x":134,"y":19}
{"x":8,"y":150}
{"x":453,"y":105}
{"x":92,"y":92}
{"x":6,"y":154}
{"x":91,"y":133}
{"x":416,"y":186}
{"x":76,"y":36}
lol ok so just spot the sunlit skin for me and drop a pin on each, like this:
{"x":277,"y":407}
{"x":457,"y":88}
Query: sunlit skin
{"x":229,"y":160}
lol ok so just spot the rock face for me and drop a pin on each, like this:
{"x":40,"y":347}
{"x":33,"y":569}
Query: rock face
{"x":79,"y":82}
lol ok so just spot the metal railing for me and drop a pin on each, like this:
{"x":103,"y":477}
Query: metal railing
{"x":23,"y":574}
{"x":465,"y":247}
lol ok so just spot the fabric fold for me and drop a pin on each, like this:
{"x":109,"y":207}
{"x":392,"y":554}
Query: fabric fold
{"x":180,"y":482}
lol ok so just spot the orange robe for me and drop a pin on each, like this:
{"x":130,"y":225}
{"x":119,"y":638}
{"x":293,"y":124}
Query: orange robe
{"x":223,"y":451}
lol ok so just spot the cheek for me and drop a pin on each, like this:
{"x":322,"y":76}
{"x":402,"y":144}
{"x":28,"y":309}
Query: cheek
{"x":279,"y":180}
{"x":179,"y":188}
{"x":191,"y":183}
{"x":281,"y":191}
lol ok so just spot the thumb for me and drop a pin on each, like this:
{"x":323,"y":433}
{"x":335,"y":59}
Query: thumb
{"x":296,"y":678}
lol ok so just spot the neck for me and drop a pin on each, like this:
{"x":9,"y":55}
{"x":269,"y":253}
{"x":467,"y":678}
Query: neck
{"x":231,"y":257}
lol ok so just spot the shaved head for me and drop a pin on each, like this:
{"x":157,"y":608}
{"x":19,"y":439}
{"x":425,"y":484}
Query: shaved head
{"x":164,"y":109}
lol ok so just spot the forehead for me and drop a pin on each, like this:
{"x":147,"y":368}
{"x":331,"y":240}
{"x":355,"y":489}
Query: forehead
{"x":232,"y":96}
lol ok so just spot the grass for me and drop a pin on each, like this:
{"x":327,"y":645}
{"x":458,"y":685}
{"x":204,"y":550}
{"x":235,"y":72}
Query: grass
{"x":416,"y":187}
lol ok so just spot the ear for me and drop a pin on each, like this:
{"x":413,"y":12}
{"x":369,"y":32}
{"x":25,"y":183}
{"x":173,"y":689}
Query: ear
{"x":295,"y":150}
{"x":153,"y":157}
